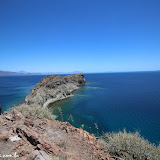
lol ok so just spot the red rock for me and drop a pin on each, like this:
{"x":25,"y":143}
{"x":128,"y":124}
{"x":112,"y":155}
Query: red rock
{"x":4,"y":138}
{"x":17,"y":115}
{"x":43,"y":137}
{"x":38,"y":155}
{"x":8,"y":117}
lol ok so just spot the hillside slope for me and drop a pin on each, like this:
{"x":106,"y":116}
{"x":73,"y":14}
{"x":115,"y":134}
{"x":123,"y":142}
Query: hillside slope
{"x":53,"y":88}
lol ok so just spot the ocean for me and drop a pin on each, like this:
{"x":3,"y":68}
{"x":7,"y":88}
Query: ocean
{"x":14,"y":89}
{"x":109,"y":102}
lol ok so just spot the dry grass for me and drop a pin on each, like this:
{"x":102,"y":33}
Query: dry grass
{"x":131,"y":146}
{"x":35,"y":112}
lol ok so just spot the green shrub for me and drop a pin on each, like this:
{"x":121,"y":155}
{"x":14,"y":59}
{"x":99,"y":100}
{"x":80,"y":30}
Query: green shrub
{"x":35,"y":112}
{"x":131,"y":146}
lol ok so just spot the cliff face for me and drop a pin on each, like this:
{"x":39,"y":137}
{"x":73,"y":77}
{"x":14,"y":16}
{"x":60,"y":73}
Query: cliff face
{"x":53,"y":88}
{"x":42,"y":139}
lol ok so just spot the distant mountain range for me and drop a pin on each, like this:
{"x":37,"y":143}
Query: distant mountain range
{"x":9,"y":73}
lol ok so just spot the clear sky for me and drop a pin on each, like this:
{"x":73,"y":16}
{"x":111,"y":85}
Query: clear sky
{"x":79,"y":35}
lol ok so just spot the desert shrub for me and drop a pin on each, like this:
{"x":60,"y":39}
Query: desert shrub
{"x":35,"y":112}
{"x":131,"y":146}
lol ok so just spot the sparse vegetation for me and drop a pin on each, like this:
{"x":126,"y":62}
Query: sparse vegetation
{"x":96,"y":126}
{"x":70,"y":118}
{"x":131,"y":146}
{"x":35,"y":112}
{"x":60,"y":113}
{"x":82,"y":126}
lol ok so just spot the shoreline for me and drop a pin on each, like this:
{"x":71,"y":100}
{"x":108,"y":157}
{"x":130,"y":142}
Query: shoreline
{"x":52,"y":101}
{"x":46,"y":96}
{"x":54,"y":88}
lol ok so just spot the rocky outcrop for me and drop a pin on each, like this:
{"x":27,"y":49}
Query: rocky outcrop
{"x":43,"y":139}
{"x":53,"y":88}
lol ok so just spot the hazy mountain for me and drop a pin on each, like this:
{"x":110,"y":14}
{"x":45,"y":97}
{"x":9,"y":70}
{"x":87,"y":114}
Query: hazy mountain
{"x":9,"y":73}
{"x":22,"y":72}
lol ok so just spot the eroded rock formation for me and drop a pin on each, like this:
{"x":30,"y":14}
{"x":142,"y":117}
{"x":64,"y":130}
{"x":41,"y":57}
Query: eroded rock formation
{"x":53,"y":88}
{"x":45,"y":138}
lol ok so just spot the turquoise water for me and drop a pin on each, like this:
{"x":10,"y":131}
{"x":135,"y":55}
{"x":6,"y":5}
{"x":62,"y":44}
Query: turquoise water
{"x":114,"y":101}
{"x":121,"y":100}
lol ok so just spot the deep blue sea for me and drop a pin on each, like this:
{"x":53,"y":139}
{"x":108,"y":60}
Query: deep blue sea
{"x":14,"y":89}
{"x":113,"y":101}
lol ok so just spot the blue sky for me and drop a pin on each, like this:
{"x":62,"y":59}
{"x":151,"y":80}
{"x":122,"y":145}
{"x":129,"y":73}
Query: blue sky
{"x":79,"y":35}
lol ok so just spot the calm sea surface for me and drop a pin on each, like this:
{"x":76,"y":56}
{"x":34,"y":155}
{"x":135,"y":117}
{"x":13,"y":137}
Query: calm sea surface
{"x":113,"y":101}
{"x":14,"y":89}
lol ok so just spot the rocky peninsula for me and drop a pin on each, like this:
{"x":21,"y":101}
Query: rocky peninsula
{"x":53,"y":88}
{"x":29,"y":131}
{"x":32,"y":133}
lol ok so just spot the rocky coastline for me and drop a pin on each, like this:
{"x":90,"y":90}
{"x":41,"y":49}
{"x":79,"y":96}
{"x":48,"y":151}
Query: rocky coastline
{"x":31,"y":137}
{"x":29,"y":131}
{"x":46,"y":139}
{"x":53,"y":88}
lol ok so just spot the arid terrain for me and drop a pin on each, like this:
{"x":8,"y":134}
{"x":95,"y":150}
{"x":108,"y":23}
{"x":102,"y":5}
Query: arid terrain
{"x":46,"y":139}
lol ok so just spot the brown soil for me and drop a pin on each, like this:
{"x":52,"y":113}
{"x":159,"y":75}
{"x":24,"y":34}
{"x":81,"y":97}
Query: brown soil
{"x":42,"y":139}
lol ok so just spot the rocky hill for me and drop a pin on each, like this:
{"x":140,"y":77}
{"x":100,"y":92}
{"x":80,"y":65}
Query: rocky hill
{"x":53,"y":88}
{"x":46,"y":139}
